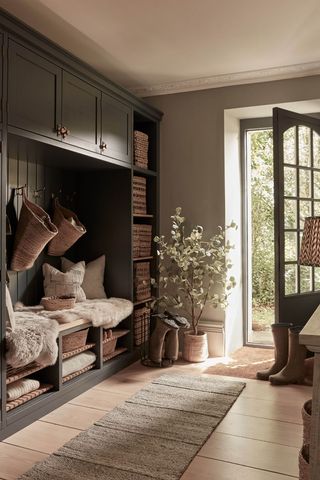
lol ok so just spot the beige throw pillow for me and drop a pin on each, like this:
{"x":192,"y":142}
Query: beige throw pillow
{"x":57,"y":283}
{"x":93,"y":277}
{"x":10,"y":320}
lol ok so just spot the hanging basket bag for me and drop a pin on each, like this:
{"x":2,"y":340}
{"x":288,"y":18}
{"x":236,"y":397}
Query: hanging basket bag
{"x":70,"y":230}
{"x":34,"y":231}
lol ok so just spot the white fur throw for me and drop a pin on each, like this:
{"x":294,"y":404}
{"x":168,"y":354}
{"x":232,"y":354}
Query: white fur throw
{"x":107,"y":312}
{"x":34,"y":339}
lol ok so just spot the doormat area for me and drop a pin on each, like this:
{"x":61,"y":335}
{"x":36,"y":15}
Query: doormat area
{"x":244,"y":363}
{"x":154,"y":434}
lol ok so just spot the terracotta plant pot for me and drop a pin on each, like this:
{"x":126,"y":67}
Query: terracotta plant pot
{"x":195,"y":347}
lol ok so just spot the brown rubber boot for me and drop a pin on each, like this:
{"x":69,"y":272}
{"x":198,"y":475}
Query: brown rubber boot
{"x":163,"y":325}
{"x":171,"y":351}
{"x":280,"y":339}
{"x":294,"y":371}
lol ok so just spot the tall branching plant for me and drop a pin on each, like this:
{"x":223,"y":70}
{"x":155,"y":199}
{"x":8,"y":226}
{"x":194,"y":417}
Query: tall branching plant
{"x":192,"y":270}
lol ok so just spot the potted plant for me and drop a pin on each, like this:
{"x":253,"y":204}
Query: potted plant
{"x":193,"y":274}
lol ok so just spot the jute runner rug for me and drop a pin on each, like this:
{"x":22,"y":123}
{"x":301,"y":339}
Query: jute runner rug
{"x":155,"y":434}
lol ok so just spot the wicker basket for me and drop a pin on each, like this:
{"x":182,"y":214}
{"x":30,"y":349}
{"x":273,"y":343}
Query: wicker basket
{"x":141,"y":325}
{"x":109,"y":344}
{"x":75,"y":340}
{"x":142,"y":269}
{"x":306,"y":417}
{"x":141,"y":147}
{"x":70,"y":230}
{"x":62,"y":302}
{"x":34,"y":231}
{"x":142,"y":240}
{"x":139,"y":195}
{"x":304,"y":468}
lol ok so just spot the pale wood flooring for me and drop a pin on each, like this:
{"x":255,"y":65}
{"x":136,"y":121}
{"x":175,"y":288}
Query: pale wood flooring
{"x":259,"y":439}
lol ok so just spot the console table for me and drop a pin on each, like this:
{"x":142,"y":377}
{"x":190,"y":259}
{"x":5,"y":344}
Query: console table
{"x":310,"y":337}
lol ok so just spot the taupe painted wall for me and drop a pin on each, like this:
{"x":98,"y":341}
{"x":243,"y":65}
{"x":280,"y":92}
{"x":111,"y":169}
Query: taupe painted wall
{"x":192,"y":145}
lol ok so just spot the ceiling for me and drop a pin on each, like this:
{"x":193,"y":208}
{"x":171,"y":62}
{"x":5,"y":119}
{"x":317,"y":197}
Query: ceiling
{"x":163,"y":46}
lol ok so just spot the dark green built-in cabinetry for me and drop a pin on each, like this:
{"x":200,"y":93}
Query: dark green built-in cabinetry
{"x":67,"y":131}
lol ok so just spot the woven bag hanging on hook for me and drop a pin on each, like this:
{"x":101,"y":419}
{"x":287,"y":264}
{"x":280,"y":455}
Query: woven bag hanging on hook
{"x":34,"y":231}
{"x":70,"y":229}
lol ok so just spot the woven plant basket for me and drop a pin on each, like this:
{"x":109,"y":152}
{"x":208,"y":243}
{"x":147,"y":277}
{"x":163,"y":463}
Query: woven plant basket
{"x":70,"y":230}
{"x":74,"y":340}
{"x":304,"y":468}
{"x":195,"y":347}
{"x":34,"y":231}
{"x":62,"y":302}
{"x":306,"y":417}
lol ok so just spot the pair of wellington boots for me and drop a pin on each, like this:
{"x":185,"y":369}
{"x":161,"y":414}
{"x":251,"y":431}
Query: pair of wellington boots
{"x":289,"y":364}
{"x":164,"y":341}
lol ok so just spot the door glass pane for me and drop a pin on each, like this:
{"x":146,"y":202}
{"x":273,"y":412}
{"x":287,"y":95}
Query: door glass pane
{"x":317,"y":278}
{"x":316,"y":150}
{"x":289,"y":146}
{"x":305,"y":279}
{"x":304,"y":183}
{"x":316,"y":184}
{"x":290,"y":182}
{"x":304,"y":211}
{"x":290,"y":213}
{"x":304,"y":146}
{"x":290,"y":246}
{"x":290,"y":276}
{"x":316,"y":209}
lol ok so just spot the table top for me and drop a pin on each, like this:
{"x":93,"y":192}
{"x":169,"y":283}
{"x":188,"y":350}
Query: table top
{"x":310,"y":334}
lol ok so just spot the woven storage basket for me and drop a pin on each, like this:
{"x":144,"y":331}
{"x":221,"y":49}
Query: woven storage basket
{"x":75,"y":340}
{"x":141,"y":325}
{"x":139,"y":195}
{"x":34,"y":231}
{"x":142,"y":240}
{"x":306,"y":417}
{"x":62,"y":302}
{"x":70,"y":230}
{"x":142,"y":289}
{"x":145,"y":240}
{"x":142,"y":280}
{"x":304,"y":468}
{"x":141,"y":147}
{"x":109,"y":344}
{"x":142,"y":269}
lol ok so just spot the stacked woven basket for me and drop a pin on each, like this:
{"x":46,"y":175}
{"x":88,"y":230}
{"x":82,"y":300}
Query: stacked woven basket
{"x":139,"y":195}
{"x":141,"y":147}
{"x":304,"y":469}
{"x":142,"y":281}
{"x":142,"y":239}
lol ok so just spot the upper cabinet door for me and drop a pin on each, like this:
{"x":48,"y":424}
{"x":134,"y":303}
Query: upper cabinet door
{"x":34,"y":92}
{"x":81,"y":114}
{"x":116,"y":129}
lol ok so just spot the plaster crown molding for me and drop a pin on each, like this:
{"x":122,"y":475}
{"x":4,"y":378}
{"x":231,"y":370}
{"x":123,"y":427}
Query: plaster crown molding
{"x":226,"y":80}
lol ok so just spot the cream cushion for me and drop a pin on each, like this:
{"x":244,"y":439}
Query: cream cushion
{"x":10,"y":320}
{"x":93,"y":277}
{"x":21,"y":387}
{"x":78,"y":362}
{"x":57,"y":283}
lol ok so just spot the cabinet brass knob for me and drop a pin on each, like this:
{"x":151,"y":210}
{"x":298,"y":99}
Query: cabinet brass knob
{"x":63,"y":131}
{"x":103,"y":146}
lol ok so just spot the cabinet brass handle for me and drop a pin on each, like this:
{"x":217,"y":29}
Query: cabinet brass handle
{"x":63,"y":131}
{"x":103,"y":146}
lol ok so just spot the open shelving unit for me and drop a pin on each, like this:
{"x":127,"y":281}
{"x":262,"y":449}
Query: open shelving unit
{"x":150,"y":127}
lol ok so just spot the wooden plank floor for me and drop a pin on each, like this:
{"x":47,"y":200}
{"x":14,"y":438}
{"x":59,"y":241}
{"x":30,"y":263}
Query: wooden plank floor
{"x":259,"y":439}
